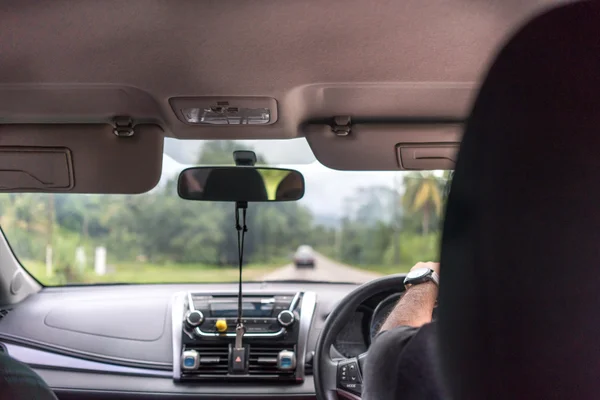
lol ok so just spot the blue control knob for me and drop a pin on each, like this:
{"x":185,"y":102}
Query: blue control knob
{"x":286,"y":360}
{"x":190,"y":360}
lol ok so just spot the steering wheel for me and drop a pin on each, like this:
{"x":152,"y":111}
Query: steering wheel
{"x":343,"y":376}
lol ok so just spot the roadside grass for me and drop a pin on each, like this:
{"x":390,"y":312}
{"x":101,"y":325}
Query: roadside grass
{"x":152,"y":273}
{"x":384,"y":269}
{"x":175,"y":273}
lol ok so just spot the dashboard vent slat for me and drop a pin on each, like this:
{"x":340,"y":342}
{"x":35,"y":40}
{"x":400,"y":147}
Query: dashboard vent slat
{"x":214,"y":360}
{"x":262,"y":360}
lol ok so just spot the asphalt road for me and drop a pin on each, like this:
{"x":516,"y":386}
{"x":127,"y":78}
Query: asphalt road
{"x":325,"y":270}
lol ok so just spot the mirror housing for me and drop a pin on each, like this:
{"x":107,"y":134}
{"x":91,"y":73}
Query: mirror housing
{"x":240,"y":184}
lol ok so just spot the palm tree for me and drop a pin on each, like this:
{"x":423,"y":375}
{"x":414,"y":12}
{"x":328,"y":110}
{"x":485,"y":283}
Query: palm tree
{"x":423,"y":194}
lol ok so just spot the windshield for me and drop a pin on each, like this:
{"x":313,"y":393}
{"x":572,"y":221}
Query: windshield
{"x":356,"y":225}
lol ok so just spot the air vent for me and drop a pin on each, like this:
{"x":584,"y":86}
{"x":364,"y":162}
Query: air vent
{"x":4,"y":312}
{"x":263,"y":361}
{"x":214,"y":360}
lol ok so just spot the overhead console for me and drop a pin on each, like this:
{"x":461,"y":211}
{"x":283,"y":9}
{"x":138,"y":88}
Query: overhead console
{"x":277,"y":327}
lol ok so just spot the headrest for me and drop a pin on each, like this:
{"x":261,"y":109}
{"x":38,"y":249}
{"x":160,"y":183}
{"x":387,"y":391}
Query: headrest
{"x":520,"y":262}
{"x":249,"y":184}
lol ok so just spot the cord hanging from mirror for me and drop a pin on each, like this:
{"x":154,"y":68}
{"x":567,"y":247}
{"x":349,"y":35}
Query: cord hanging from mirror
{"x":241,"y":231}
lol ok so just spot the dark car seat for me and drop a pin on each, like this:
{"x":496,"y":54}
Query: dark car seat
{"x":520,"y":292}
{"x":19,"y":382}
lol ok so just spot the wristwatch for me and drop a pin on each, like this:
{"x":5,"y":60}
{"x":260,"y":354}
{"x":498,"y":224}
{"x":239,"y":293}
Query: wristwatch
{"x":421,"y":275}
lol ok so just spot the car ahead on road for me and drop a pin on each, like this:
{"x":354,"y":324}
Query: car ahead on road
{"x":304,"y":257}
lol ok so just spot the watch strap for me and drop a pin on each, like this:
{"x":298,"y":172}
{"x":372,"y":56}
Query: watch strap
{"x":431,"y":276}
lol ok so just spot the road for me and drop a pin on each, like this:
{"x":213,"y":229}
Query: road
{"x":325,"y":269}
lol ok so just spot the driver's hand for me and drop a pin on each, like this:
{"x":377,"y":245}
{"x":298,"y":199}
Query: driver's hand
{"x":431,"y":265}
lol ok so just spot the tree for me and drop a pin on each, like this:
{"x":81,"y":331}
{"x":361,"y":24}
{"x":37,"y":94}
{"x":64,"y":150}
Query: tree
{"x":423,"y":194}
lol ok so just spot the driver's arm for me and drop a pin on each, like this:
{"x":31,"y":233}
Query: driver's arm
{"x":402,"y":360}
{"x":416,"y":305}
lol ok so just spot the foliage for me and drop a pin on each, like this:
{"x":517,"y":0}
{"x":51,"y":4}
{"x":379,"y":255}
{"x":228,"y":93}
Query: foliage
{"x":423,"y":196}
{"x":415,"y":248}
{"x":159,"y":237}
{"x":385,"y":231}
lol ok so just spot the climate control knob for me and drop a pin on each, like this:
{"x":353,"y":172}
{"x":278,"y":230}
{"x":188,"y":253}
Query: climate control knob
{"x":285,"y":318}
{"x":194,"y":318}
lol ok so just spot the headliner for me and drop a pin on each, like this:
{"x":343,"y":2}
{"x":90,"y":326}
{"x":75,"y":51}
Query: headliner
{"x":85,"y":61}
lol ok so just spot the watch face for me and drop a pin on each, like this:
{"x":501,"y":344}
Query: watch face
{"x":417,"y":273}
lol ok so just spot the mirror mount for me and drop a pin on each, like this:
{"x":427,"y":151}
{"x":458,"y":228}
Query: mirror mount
{"x":244,"y":158}
{"x":241,"y":205}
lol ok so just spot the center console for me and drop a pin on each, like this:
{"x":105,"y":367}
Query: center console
{"x":277,"y":327}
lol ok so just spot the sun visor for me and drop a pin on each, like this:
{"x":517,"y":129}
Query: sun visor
{"x":82,"y":158}
{"x":427,"y":156}
{"x":385,"y":147}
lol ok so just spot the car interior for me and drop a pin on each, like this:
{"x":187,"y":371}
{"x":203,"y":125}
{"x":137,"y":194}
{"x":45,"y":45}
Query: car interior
{"x":98,"y":101}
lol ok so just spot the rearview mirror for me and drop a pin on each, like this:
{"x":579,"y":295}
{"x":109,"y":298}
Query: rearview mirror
{"x":241,"y":183}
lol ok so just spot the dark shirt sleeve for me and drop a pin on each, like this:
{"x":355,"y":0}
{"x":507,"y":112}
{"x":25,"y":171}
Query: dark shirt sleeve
{"x":19,"y":382}
{"x":403,"y":364}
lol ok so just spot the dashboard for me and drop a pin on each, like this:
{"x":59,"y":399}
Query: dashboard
{"x":129,"y":341}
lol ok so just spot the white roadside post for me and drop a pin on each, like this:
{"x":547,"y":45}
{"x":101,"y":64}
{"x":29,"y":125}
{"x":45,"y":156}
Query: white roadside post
{"x":80,"y":259}
{"x":100,"y":261}
{"x":49,"y":270}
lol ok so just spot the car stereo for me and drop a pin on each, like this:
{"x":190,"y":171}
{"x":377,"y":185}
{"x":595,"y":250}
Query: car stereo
{"x":277,"y":326}
{"x":262,"y":316}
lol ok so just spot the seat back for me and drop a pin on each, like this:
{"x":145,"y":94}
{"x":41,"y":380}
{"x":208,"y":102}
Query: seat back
{"x":520,"y":260}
